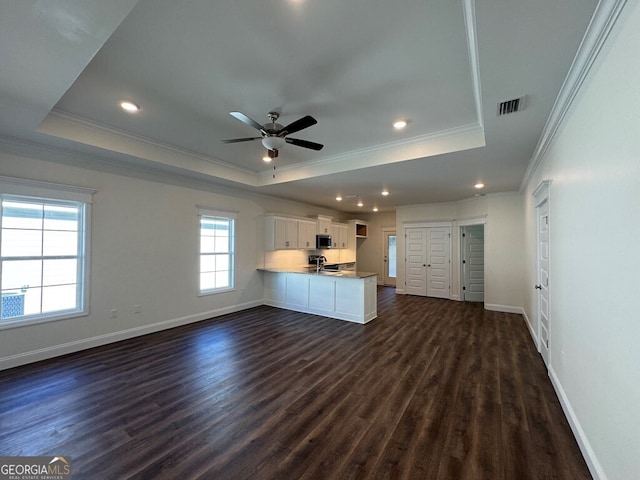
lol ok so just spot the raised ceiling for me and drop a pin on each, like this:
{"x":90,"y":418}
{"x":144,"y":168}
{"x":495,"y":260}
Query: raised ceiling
{"x":355,"y":66}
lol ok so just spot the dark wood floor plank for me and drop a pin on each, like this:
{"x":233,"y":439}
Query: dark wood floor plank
{"x":431,"y":389}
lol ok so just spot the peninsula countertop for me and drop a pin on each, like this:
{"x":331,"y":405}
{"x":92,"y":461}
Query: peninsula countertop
{"x":324,"y":273}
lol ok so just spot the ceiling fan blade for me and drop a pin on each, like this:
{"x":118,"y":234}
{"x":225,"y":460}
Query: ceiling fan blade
{"x":244,"y":119}
{"x":304,"y":143}
{"x":298,"y":125}
{"x":237,"y":140}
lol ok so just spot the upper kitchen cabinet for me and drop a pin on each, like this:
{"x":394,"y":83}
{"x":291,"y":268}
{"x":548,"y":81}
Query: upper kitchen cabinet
{"x":324,"y":225}
{"x":281,"y":233}
{"x":339,"y":235}
{"x":307,"y":234}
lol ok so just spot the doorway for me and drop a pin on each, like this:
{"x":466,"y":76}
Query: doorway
{"x":389,"y":241}
{"x":472,"y":262}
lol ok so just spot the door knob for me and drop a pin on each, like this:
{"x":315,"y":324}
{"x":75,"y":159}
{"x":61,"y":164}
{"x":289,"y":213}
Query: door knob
{"x":538,"y":287}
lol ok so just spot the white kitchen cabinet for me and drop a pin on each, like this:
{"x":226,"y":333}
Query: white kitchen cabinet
{"x":324,"y":225}
{"x":281,"y":233}
{"x":339,"y":235}
{"x":350,"y":298}
{"x":307,"y":234}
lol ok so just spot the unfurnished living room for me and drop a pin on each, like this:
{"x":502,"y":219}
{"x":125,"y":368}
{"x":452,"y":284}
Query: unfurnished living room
{"x":293,"y":239}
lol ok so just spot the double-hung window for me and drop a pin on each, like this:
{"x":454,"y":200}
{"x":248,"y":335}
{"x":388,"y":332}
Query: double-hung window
{"x":217,"y":250}
{"x":43,"y":251}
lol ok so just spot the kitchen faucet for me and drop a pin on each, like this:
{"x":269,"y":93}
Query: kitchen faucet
{"x":320,"y":259}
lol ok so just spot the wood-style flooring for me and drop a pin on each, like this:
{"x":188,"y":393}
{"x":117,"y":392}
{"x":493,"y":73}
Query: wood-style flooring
{"x":431,"y":389}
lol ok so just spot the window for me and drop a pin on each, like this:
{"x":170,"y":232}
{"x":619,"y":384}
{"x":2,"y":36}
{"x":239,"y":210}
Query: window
{"x":43,"y":266}
{"x":217,"y":247}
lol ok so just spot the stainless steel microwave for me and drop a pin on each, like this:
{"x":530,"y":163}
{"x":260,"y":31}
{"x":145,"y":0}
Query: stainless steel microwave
{"x":323,"y":241}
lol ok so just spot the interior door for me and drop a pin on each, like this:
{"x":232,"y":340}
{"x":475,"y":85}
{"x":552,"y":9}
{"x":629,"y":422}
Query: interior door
{"x":543,"y":279}
{"x":473,"y":263}
{"x":416,"y":261}
{"x":389,"y":257}
{"x":438,"y":262}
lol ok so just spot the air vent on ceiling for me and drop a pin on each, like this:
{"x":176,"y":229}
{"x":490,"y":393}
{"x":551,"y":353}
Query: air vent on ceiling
{"x":510,"y":106}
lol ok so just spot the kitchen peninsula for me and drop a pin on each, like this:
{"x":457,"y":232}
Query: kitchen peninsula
{"x":345,"y":295}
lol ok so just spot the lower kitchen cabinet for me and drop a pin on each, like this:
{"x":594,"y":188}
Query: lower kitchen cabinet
{"x":351,"y":297}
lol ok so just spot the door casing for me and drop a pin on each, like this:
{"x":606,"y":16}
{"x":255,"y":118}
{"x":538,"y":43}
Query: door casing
{"x":542,"y":287}
{"x":386,"y":279}
{"x":472,"y":263}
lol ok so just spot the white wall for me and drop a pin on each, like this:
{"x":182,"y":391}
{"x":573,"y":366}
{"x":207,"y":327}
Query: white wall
{"x":594,"y":166}
{"x":143,"y":252}
{"x":504,"y":244}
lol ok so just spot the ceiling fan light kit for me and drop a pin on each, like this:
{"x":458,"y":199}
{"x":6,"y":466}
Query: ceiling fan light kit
{"x":273,"y":143}
{"x":274,"y":135}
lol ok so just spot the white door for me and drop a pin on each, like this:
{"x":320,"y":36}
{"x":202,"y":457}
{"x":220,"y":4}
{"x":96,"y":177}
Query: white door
{"x":473,"y":263}
{"x":389,"y":257}
{"x":438,"y":262}
{"x":416,"y":261}
{"x":542,"y":286}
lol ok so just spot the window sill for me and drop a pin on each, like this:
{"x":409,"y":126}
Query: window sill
{"x":205,"y":293}
{"x":8,"y":323}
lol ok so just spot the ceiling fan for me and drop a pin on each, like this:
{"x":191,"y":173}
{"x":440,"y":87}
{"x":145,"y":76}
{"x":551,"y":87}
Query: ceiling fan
{"x":274,"y":135}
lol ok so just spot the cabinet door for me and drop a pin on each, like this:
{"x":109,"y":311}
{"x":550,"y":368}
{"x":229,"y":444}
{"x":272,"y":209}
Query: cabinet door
{"x":286,"y":233}
{"x":339,"y":236}
{"x":334,"y":236}
{"x":306,"y":235}
{"x":324,"y":226}
{"x":343,"y":236}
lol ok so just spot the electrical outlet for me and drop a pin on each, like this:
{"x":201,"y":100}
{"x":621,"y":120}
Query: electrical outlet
{"x":114,"y":313}
{"x":137,"y":309}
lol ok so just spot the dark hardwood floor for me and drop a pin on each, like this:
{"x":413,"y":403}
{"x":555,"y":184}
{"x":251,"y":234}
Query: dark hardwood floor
{"x":431,"y":389}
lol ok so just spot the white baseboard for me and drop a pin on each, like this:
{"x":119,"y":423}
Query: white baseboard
{"x":585,"y":447}
{"x":533,"y":333}
{"x":76,"y":346}
{"x":503,"y":308}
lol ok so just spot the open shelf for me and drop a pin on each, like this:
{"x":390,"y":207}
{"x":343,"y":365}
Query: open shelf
{"x":361,"y":230}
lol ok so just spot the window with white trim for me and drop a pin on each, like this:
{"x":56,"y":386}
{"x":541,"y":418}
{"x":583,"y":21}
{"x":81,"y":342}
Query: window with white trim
{"x":217,"y":250}
{"x":43,"y":251}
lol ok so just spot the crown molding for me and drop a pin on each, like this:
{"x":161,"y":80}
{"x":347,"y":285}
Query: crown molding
{"x":78,"y":129}
{"x":469,"y":10}
{"x":437,"y":143}
{"x":70,"y":127}
{"x":598,"y":30}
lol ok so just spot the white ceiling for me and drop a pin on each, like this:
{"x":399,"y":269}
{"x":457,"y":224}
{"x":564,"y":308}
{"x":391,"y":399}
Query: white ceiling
{"x":357,"y":66}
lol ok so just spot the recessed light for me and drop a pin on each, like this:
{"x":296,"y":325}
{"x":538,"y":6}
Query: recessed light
{"x":375,"y":209}
{"x":339,"y":198}
{"x":267,"y":158}
{"x":479,"y":185}
{"x":400,"y":124}
{"x":129,"y":107}
{"x":360,"y":204}
{"x":384,"y":193}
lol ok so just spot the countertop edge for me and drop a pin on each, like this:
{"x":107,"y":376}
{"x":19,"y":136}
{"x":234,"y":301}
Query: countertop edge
{"x":338,"y":274}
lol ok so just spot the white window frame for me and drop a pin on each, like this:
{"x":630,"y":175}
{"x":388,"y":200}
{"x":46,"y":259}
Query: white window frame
{"x":56,"y":194}
{"x":231,"y":216}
